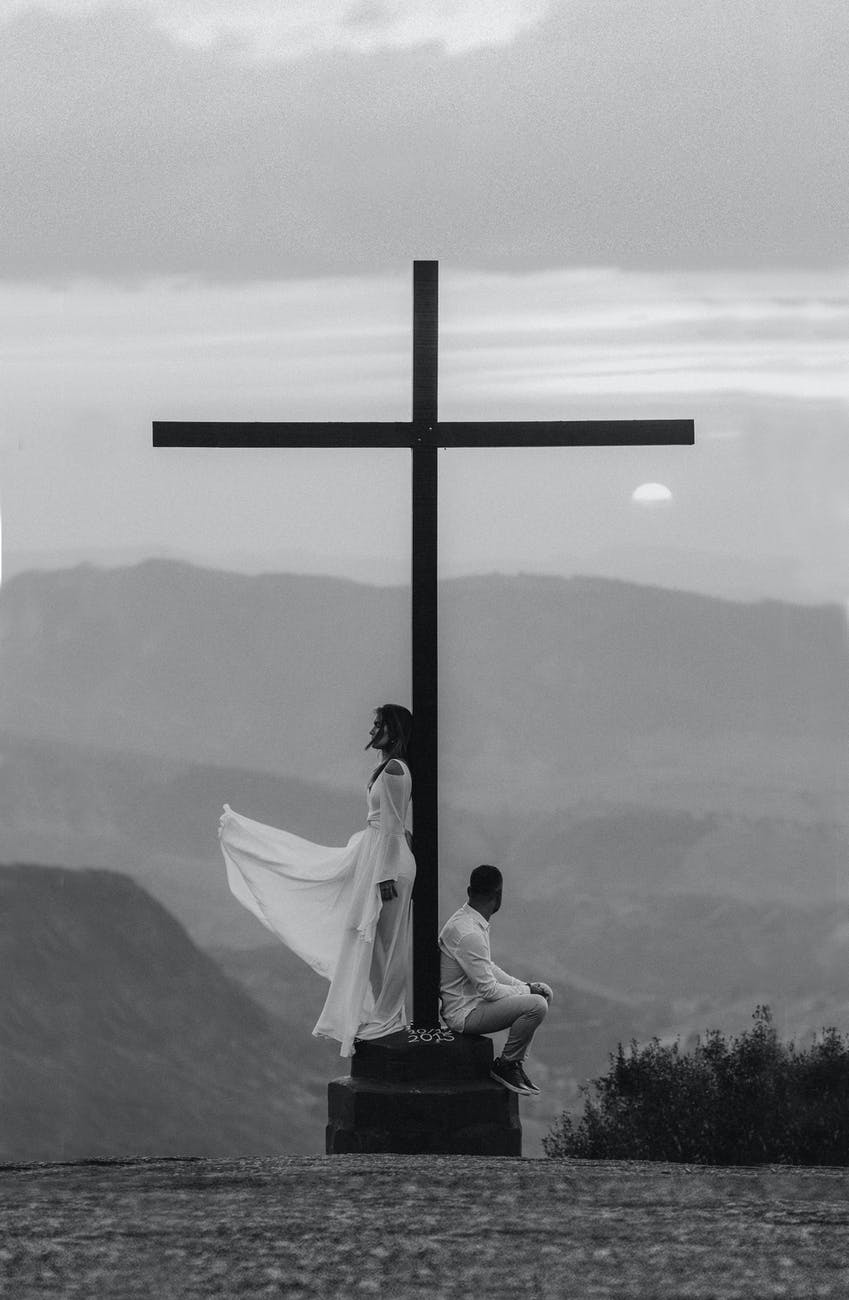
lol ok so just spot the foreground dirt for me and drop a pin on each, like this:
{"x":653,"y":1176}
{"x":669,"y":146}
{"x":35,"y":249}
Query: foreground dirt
{"x":410,"y":1226}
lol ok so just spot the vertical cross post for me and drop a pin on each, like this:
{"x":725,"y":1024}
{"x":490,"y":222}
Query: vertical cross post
{"x":425,"y":651}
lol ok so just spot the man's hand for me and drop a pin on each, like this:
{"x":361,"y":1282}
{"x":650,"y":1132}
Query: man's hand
{"x":544,"y":990}
{"x":387,"y":890}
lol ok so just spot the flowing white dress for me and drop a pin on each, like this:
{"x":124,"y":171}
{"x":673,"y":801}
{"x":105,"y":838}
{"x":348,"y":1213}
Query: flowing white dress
{"x":324,"y":903}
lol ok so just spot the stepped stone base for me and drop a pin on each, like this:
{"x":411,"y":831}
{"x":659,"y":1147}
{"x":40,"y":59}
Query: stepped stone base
{"x":422,"y":1097}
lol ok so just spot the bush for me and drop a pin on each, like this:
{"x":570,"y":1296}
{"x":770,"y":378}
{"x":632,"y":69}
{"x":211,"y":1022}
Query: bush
{"x":743,"y":1101}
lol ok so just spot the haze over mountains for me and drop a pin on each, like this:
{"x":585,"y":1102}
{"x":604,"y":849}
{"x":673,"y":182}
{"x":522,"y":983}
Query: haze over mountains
{"x":542,"y":679}
{"x":663,"y":776}
{"x":596,"y":737}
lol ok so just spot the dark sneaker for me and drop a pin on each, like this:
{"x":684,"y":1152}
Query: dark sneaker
{"x":531,"y":1087}
{"x":509,"y":1075}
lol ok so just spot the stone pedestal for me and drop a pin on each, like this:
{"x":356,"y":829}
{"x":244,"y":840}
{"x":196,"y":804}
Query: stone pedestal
{"x":415,"y":1096}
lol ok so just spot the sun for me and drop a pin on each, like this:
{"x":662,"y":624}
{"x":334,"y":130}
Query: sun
{"x":651,"y":494}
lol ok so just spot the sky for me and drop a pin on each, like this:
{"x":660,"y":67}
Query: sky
{"x":638,"y":209}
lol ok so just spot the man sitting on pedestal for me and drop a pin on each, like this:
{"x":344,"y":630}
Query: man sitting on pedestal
{"x":480,"y":998}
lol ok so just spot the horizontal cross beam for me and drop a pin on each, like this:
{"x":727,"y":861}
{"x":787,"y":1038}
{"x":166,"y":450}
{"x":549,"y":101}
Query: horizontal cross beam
{"x":440,"y":433}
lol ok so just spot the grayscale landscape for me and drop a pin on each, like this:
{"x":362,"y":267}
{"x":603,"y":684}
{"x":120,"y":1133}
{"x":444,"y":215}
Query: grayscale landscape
{"x":662,"y":777}
{"x":638,"y":213}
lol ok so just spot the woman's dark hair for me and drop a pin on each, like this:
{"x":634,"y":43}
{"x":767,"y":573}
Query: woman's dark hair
{"x":485,"y":881}
{"x":398,"y":721}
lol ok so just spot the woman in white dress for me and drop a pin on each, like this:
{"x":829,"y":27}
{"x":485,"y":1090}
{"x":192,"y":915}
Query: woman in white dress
{"x":346,"y":911}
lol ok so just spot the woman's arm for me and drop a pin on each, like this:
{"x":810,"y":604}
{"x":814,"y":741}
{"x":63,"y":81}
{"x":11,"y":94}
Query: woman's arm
{"x":395,"y":789}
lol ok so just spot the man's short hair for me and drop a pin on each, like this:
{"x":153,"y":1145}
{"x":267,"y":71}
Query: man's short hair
{"x":485,"y":881}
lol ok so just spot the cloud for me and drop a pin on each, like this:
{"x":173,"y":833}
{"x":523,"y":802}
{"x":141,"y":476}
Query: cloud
{"x":648,"y":135}
{"x":540,"y":340}
{"x":88,"y":365}
{"x":511,"y":346}
{"x":269,"y":30}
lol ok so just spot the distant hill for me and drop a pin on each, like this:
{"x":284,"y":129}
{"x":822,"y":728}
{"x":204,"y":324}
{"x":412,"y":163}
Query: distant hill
{"x":187,"y":663}
{"x":684,"y":948}
{"x":119,"y":1037}
{"x":552,"y":689}
{"x":156,"y":820}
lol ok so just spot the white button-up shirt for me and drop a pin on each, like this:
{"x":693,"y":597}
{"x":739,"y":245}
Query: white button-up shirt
{"x":468,"y":975}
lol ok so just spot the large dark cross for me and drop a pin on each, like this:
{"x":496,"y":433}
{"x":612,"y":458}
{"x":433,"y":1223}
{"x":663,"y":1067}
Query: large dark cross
{"x":424,"y":434}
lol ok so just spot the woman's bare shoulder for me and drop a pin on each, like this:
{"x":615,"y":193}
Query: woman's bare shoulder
{"x":394,"y":768}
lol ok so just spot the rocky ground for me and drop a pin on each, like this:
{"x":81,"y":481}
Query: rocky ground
{"x":410,"y":1226}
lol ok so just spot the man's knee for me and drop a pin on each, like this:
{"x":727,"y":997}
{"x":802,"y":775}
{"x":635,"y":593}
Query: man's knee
{"x":538,"y":1007}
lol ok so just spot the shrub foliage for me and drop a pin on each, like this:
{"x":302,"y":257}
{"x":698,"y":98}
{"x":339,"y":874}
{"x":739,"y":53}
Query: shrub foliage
{"x":740,"y":1101}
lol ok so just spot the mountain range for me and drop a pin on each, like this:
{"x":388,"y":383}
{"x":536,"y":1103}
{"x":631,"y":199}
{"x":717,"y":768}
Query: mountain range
{"x":594,"y":736}
{"x":662,"y":776}
{"x":551,"y":689}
